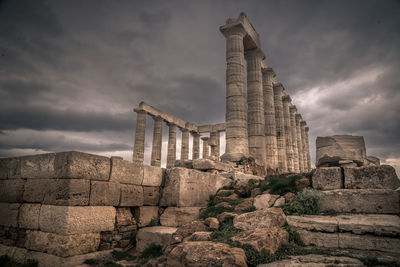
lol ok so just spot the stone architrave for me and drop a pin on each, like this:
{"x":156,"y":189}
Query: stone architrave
{"x":269,"y":116}
{"x":286,"y":100}
{"x":157,"y":142}
{"x":304,"y":145}
{"x":196,"y":145}
{"x":255,"y":106}
{"x":171,"y":156}
{"x":308,"y":149}
{"x":138,"y":151}
{"x":280,"y":129}
{"x":299,"y":142}
{"x":185,"y":144}
{"x":293,"y":129}
{"x":237,"y":144}
{"x":206,"y":147}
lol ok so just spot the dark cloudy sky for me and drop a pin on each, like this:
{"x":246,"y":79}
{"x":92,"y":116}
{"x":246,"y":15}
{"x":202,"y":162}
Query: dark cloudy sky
{"x":72,"y":71}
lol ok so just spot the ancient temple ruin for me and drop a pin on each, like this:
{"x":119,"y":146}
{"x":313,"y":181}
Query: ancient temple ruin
{"x":260,"y":122}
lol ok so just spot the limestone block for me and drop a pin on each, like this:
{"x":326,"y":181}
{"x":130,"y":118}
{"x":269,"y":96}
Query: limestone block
{"x":145,"y":215}
{"x":104,"y":193}
{"x":207,"y":164}
{"x":313,"y":260}
{"x":327,"y":178}
{"x":265,"y":219}
{"x":73,"y":192}
{"x":38,"y":166}
{"x":359,"y":201}
{"x":314,"y":223}
{"x":184,"y":163}
{"x":159,"y":235}
{"x":126,"y":172}
{"x":131,"y":195}
{"x":319,"y":239}
{"x":151,"y":195}
{"x":245,"y":205}
{"x":279,"y":202}
{"x":240,"y":176}
{"x":10,"y":168}
{"x":188,"y":229}
{"x":190,"y":188}
{"x":152,"y":176}
{"x":378,"y":177}
{"x":199,"y":236}
{"x":332,"y":149}
{"x":371,"y":160}
{"x":9,"y":214}
{"x":62,"y":245}
{"x":178,"y":216}
{"x":28,"y":217}
{"x":124,"y":217}
{"x":80,"y":165}
{"x":67,"y":220}
{"x":11,"y":190}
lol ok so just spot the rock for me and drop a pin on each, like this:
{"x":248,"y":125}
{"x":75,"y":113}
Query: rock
{"x":226,"y":216}
{"x":104,"y":193}
{"x":359,"y":201}
{"x":146,"y":215}
{"x":152,"y":176}
{"x":126,"y":172}
{"x":219,"y":199}
{"x":159,"y":235}
{"x":312,"y":260}
{"x":207,"y":164}
{"x":38,"y":166}
{"x":176,"y":216}
{"x":303,"y":182}
{"x":131,"y":195}
{"x":199,"y":236}
{"x":255,"y":192}
{"x":224,"y":193}
{"x":212,"y":223}
{"x":12,"y":190}
{"x":371,"y":177}
{"x":279,"y":202}
{"x":28,"y":217}
{"x":188,"y":229}
{"x":371,"y":160}
{"x":124,"y":217}
{"x":151,"y":195}
{"x":9,"y":214}
{"x":347,"y":164}
{"x":332,"y":149}
{"x":190,"y":188}
{"x":289,"y":197}
{"x":206,"y":253}
{"x":269,"y":239}
{"x":314,"y":223}
{"x":240,"y":176}
{"x":184,"y":163}
{"x":245,"y":205}
{"x":267,"y":218}
{"x":264,"y":201}
{"x":224,"y":204}
{"x":328,"y":178}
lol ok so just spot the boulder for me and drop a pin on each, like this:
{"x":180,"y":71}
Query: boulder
{"x":226,"y":216}
{"x":206,"y":253}
{"x":255,"y":192}
{"x":371,"y":160}
{"x":371,"y":177}
{"x":126,"y":172}
{"x":328,"y":178}
{"x":303,"y":182}
{"x":146,"y":215}
{"x":289,"y":197}
{"x":279,"y":202}
{"x":188,"y":229}
{"x":104,"y":193}
{"x":225,"y":192}
{"x":176,"y":216}
{"x":266,"y":218}
{"x":212,"y":223}
{"x":245,"y":205}
{"x":224,"y":204}
{"x":11,"y":190}
{"x":207,"y":164}
{"x":220,"y":199}
{"x":312,"y":260}
{"x":199,"y":236}
{"x":159,"y":235}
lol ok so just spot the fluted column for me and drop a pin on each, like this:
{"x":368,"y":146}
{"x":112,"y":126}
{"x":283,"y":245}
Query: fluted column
{"x":185,"y":144}
{"x":138,"y":150}
{"x":269,"y":117}
{"x":299,"y":143}
{"x":196,"y":145}
{"x":280,"y":129}
{"x":206,"y":149}
{"x":171,"y":156}
{"x":308,"y":150}
{"x":293,"y":131}
{"x":303,"y":142}
{"x":157,"y":142}
{"x":214,"y":144}
{"x":288,"y":134}
{"x":236,"y":109}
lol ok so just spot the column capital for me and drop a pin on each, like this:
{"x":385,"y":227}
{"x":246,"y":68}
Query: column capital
{"x":205,"y":138}
{"x":293,"y":109}
{"x":139,"y":110}
{"x":298,"y":117}
{"x":268,"y":71}
{"x":303,"y":123}
{"x":234,"y":30}
{"x":278,"y":85}
{"x":286,"y":98}
{"x":254,"y":53}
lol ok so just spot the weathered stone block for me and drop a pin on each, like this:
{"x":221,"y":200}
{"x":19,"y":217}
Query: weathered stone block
{"x":126,"y":172}
{"x":328,"y":178}
{"x":73,"y":192}
{"x":152,"y":176}
{"x":104,"y":193}
{"x":264,"y":219}
{"x":69,"y":220}
{"x":9,"y":214}
{"x":199,"y":236}
{"x":151,"y":195}
{"x":359,"y":201}
{"x":371,"y":160}
{"x":38,"y":166}
{"x":62,"y":245}
{"x":124,"y":217}
{"x":11,"y":190}
{"x":29,"y":216}
{"x":264,"y":201}
{"x":10,"y":168}
{"x":131,"y":195}
{"x":207,"y":164}
{"x":314,"y":260}
{"x":175,"y":216}
{"x":80,"y":165}
{"x":240,"y":176}
{"x":145,"y":215}
{"x":159,"y":235}
{"x":190,"y":188}
{"x":373,"y":177}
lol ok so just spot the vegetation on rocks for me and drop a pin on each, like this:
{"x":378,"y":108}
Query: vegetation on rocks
{"x":305,"y":202}
{"x":151,"y":252}
{"x":6,"y":261}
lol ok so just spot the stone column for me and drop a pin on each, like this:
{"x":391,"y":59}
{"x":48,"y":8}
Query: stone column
{"x":214,"y":143}
{"x":293,"y":132}
{"x":299,"y":142}
{"x":303,"y":142}
{"x":171,"y":156}
{"x":237,"y":144}
{"x":280,"y":129}
{"x":196,"y":145}
{"x":269,"y":117}
{"x":185,"y":144}
{"x":138,"y":150}
{"x":308,"y":150}
{"x":157,"y":142}
{"x":206,"y":150}
{"x":255,"y":106}
{"x":288,"y":133}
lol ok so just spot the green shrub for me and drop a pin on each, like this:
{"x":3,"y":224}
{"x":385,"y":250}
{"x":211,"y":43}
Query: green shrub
{"x":293,"y":235}
{"x":213,"y":211}
{"x":132,"y":238}
{"x":254,"y":258}
{"x":373,"y":261}
{"x":225,"y":232}
{"x":281,"y":185}
{"x":305,"y":202}
{"x":120,"y":255}
{"x":235,"y":202}
{"x":151,"y":252}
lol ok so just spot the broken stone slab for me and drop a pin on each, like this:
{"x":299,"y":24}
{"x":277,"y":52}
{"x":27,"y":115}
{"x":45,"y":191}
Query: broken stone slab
{"x":28,"y":217}
{"x":178,"y":216}
{"x":240,"y":176}
{"x":332,"y":149}
{"x":212,"y":223}
{"x":206,"y":253}
{"x":371,"y":160}
{"x":124,"y":217}
{"x":104,"y":193}
{"x":159,"y":235}
{"x":152,"y":176}
{"x":199,"y":236}
{"x":208,"y":164}
{"x":359,"y":201}
{"x":151,"y":195}
{"x":313,"y":260}
{"x":12,"y":190}
{"x":126,"y":172}
{"x":188,"y":229}
{"x":184,"y":164}
{"x":9,"y":214}
{"x":371,"y":177}
{"x":226,"y":216}
{"x":145,"y":215}
{"x":265,"y":219}
{"x":131,"y":195}
{"x":328,"y":178}
{"x":264,"y":201}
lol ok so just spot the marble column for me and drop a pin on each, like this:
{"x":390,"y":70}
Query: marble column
{"x":196,"y":145}
{"x":157,"y":142}
{"x":185,"y":144}
{"x":280,"y":128}
{"x":237,"y":144}
{"x":286,"y":100}
{"x":138,"y":150}
{"x":214,"y":144}
{"x":308,"y":150}
{"x":269,"y":117}
{"x":206,"y":147}
{"x":255,"y":106}
{"x":293,"y":132}
{"x":299,"y":143}
{"x":303,"y":141}
{"x":171,"y":156}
